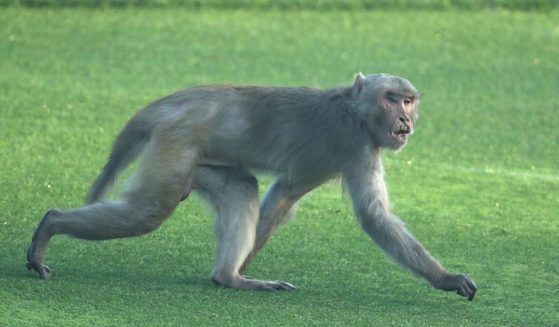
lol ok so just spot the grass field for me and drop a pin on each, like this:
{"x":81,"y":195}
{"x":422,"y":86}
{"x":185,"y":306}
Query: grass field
{"x":478,"y":184}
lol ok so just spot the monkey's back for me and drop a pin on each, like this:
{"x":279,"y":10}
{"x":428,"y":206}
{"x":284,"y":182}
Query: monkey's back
{"x":279,"y":129}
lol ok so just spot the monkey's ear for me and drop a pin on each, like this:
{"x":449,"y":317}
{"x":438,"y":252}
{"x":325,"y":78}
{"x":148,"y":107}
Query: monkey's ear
{"x":359,"y":84}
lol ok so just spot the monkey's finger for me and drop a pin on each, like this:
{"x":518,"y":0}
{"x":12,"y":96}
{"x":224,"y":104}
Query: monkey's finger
{"x":467,"y":290}
{"x":472,"y":287}
{"x":461,"y":291}
{"x":471,"y":297}
{"x":472,"y":292}
{"x":471,"y":283}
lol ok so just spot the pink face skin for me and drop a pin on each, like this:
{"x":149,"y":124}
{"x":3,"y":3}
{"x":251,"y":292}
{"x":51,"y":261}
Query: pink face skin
{"x":399,"y":115}
{"x":389,"y":105}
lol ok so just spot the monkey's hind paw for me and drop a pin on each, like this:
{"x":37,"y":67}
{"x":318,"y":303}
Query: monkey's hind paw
{"x":40,"y":268}
{"x":249,"y":283}
{"x":272,"y":285}
{"x":279,"y":285}
{"x":267,"y":285}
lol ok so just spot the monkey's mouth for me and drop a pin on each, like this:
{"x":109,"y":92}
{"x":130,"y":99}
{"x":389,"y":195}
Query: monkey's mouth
{"x":402,"y":132}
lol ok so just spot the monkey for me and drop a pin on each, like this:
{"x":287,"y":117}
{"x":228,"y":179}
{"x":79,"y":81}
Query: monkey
{"x":214,"y":139}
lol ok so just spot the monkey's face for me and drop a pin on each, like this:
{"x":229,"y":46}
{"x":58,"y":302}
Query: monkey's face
{"x":389,"y":105}
{"x":398,"y":114}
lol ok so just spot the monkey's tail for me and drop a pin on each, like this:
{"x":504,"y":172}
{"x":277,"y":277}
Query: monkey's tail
{"x":127,"y":147}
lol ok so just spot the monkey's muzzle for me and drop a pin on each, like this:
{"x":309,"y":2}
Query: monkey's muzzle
{"x":402,"y":131}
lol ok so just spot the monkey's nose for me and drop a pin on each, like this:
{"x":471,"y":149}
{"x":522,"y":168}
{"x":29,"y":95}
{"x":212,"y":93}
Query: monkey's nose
{"x":404,"y":119}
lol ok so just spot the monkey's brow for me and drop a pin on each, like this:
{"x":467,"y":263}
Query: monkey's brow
{"x":404,"y":94}
{"x":414,"y":95}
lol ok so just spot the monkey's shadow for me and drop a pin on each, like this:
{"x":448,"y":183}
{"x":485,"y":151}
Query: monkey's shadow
{"x":136,"y":278}
{"x":180,"y":280}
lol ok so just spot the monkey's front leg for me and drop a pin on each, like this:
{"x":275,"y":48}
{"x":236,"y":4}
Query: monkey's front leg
{"x":391,"y":235}
{"x":368,"y":192}
{"x":276,"y":209}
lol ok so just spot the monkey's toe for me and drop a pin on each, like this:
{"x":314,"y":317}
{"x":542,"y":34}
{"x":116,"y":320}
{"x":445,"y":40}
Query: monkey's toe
{"x":275,"y":285}
{"x":255,"y":284}
{"x":279,"y":285}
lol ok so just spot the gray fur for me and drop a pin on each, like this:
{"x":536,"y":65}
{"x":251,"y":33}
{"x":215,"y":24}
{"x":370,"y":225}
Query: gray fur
{"x":210,"y":139}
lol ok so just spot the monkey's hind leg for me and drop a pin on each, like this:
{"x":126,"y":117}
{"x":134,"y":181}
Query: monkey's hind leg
{"x":98,"y":221}
{"x":160,"y":184}
{"x":234,"y":192}
{"x":36,"y":251}
{"x":277,"y":208}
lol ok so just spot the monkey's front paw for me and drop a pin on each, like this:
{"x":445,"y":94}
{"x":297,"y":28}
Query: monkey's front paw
{"x":461,"y":283}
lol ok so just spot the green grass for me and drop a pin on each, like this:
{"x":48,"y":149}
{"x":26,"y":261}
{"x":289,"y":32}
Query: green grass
{"x":478,"y":183}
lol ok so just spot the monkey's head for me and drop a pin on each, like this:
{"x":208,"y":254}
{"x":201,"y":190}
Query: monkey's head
{"x":388,"y":107}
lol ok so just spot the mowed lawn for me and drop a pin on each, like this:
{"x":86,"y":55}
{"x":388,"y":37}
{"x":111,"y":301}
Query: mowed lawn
{"x":478,"y":183}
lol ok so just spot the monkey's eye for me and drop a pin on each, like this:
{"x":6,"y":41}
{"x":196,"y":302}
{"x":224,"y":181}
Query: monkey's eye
{"x":408,"y":101}
{"x":392,"y":98}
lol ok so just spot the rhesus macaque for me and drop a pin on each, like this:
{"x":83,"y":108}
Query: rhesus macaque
{"x":210,"y":138}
